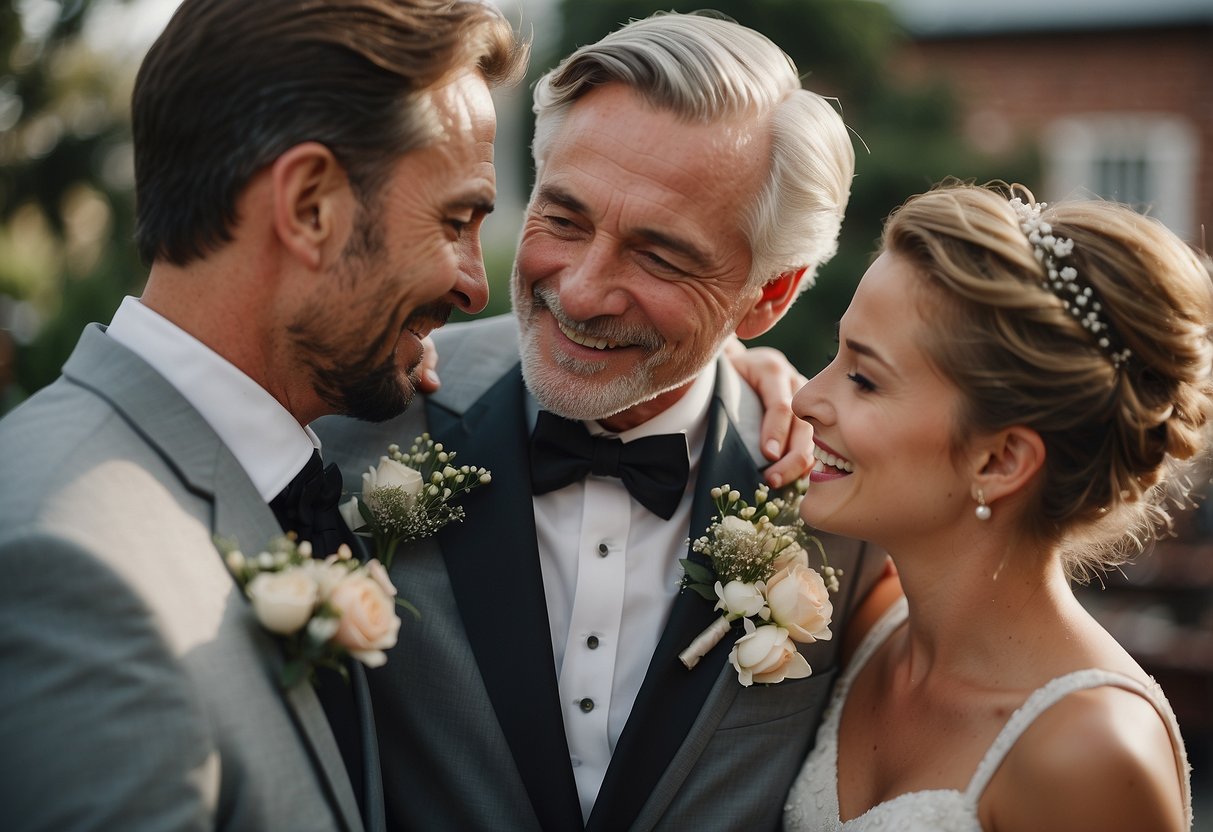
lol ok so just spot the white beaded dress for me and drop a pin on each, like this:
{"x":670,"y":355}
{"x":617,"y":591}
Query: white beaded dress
{"x":813,"y":801}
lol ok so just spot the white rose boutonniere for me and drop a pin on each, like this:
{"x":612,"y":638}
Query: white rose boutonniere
{"x":321,"y":610}
{"x":408,"y":495}
{"x":758,"y":572}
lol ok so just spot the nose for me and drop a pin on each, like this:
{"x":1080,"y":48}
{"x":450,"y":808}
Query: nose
{"x":591,"y":286}
{"x":810,"y":404}
{"x":471,"y":290}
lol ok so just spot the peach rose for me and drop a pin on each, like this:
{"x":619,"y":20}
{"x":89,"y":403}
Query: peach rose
{"x":800,"y":604}
{"x":790,"y":555}
{"x":369,"y":624}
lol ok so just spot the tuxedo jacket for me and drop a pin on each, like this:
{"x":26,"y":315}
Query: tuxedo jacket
{"x":471,"y":733}
{"x":137,"y":689}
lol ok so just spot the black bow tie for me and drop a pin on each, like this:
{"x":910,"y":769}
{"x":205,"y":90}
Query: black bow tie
{"x":654,"y":469}
{"x":308,"y":507}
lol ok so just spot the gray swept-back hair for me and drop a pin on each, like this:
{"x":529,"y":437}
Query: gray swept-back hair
{"x":705,"y":69}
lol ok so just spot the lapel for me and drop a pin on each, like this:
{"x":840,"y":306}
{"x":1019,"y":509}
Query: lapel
{"x":671,"y":697}
{"x":183,"y":439}
{"x":493,"y":563}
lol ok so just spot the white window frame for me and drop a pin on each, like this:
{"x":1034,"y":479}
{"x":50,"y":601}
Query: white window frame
{"x":1169,"y":146}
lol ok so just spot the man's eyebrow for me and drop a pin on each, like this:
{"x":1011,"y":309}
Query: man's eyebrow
{"x":559,"y":196}
{"x":699,"y":259}
{"x":476,"y":201}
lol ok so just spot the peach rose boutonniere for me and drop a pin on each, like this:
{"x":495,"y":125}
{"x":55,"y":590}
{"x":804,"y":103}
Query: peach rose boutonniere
{"x":409,"y":495}
{"x":321,"y":610}
{"x":756,"y":568}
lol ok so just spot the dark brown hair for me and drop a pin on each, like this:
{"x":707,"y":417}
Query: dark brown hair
{"x":230,"y":85}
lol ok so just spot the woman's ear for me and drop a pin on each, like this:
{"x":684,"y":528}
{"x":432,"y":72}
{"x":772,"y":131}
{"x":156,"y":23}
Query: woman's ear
{"x":308,"y":183}
{"x":1007,"y":462}
{"x":776,"y":297}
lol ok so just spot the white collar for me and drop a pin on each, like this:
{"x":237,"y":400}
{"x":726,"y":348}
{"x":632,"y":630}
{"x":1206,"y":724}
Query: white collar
{"x":688,"y":416}
{"x":263,"y":436}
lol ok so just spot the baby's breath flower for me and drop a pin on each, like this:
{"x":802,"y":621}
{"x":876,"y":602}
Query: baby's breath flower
{"x":395,"y":514}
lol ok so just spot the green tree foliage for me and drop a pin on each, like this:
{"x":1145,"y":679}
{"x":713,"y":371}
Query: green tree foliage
{"x":908,"y":136}
{"x":66,"y":204}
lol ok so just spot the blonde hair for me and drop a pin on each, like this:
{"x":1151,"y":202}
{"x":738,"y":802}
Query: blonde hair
{"x":1116,"y":439}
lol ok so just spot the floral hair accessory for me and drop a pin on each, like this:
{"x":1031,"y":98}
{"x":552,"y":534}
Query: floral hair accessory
{"x":1062,"y":280}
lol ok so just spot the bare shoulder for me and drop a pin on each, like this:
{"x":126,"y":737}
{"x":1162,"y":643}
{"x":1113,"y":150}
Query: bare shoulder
{"x":1100,"y":759}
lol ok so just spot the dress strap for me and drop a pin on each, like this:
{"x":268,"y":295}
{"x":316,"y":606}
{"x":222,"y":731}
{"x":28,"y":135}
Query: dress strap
{"x":1050,"y":694}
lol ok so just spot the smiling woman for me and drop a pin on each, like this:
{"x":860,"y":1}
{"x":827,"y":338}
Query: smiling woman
{"x":1017,"y":393}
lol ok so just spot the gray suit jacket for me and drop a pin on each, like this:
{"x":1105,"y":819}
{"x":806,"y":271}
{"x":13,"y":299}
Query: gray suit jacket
{"x":471,"y":732}
{"x":137,"y":690}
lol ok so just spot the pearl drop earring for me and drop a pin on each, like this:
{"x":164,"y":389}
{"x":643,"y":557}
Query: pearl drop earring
{"x":982,"y":511}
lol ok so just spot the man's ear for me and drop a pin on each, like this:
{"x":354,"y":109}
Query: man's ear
{"x":777,"y":295}
{"x":309,"y":189}
{"x":1008,"y":462}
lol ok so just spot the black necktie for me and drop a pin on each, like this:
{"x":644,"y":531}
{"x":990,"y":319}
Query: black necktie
{"x":308,"y":507}
{"x":653,"y":469}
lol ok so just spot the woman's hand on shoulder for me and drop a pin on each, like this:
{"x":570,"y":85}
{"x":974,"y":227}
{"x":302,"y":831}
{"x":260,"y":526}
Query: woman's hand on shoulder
{"x":1100,"y":760}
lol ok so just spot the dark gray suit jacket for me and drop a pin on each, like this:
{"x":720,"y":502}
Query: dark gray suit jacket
{"x":471,"y":731}
{"x":137,"y":690}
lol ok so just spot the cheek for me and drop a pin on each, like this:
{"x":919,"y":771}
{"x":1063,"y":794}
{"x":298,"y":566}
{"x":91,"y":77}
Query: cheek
{"x":686,"y":314}
{"x":537,"y":258}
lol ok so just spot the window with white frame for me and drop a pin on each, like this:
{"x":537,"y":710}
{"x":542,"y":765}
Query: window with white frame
{"x":1147,"y":160}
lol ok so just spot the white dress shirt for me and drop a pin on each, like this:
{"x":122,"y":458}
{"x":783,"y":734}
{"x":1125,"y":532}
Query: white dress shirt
{"x":264,"y":437}
{"x":610,"y":574}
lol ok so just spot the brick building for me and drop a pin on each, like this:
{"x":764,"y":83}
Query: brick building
{"x":1116,"y":95}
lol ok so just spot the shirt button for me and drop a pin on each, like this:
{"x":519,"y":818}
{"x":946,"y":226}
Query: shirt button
{"x":603,"y":550}
{"x":587,"y":705}
{"x":592,"y":642}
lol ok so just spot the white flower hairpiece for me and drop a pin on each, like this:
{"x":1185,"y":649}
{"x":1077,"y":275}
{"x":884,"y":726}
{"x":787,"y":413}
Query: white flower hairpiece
{"x":1062,"y":280}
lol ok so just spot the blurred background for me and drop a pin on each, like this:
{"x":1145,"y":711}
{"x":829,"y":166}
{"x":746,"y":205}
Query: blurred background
{"x":1092,"y":97}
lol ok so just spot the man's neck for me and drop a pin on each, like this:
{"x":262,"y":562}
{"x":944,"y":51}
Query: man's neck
{"x":641,"y":413}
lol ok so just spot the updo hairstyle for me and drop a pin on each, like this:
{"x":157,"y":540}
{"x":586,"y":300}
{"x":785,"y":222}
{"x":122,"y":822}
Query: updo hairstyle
{"x":1115,"y":437}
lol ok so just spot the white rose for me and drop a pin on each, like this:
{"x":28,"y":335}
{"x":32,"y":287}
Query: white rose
{"x":800,"y":603}
{"x":351,"y":515}
{"x":738,"y":598}
{"x":766,"y":655}
{"x":390,"y":474}
{"x":283,"y":601}
{"x":369,"y":624}
{"x":737,"y":525}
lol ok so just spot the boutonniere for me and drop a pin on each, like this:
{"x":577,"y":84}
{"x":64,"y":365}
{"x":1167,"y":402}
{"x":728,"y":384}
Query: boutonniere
{"x":409,"y":495}
{"x":758,"y":572}
{"x":322,"y":610}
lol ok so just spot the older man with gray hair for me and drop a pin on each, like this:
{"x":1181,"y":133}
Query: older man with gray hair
{"x":687,"y":189}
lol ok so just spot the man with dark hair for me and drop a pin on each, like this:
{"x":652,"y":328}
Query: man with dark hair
{"x":311,"y":178}
{"x":687,"y":188}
